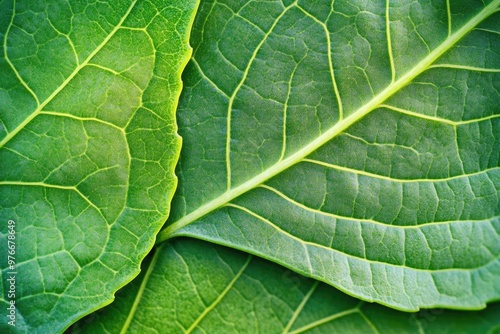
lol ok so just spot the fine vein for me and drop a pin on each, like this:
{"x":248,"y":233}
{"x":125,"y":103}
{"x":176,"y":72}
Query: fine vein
{"x":233,"y":96}
{"x":325,"y":320}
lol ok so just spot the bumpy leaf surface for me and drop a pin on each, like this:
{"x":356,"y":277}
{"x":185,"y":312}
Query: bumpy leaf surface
{"x":194,"y":287}
{"x":356,"y":142}
{"x":88,"y":145}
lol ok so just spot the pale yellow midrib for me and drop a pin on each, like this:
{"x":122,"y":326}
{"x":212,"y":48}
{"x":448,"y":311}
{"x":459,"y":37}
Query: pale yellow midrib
{"x":40,"y":107}
{"x":333,"y":131}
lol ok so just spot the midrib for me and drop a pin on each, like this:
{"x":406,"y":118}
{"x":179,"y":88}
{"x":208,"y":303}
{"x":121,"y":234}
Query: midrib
{"x":40,"y":107}
{"x":332,"y":132}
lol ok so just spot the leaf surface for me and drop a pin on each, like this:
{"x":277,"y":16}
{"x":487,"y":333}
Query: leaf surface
{"x":192,"y":286}
{"x":88,"y":146}
{"x":354,"y":142}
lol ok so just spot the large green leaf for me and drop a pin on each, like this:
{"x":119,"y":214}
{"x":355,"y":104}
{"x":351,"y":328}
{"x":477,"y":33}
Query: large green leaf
{"x":195,"y":287}
{"x":355,"y":142}
{"x":88,"y":145}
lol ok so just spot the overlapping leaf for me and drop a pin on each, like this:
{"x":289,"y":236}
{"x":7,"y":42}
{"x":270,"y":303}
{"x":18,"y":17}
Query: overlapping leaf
{"x":194,"y":287}
{"x":88,"y":145}
{"x":356,"y":142}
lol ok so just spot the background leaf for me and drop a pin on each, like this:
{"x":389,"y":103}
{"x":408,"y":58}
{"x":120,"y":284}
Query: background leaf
{"x":88,"y":145}
{"x":354,"y":142}
{"x":197,"y":287}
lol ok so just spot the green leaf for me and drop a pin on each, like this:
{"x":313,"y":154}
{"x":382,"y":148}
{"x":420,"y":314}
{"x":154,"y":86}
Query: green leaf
{"x":194,"y":287}
{"x":354,"y":142}
{"x":88,"y":146}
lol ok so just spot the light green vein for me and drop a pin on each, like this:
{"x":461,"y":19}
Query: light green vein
{"x":391,"y":145}
{"x":203,"y":26}
{"x":6,"y":56}
{"x":118,"y":74}
{"x":369,"y":221}
{"x":330,"y":61}
{"x":19,"y":154}
{"x":466,"y":68}
{"x":237,"y":89}
{"x":140,"y":292}
{"x":220,"y":297}
{"x":106,"y":69}
{"x":70,"y":42}
{"x":151,"y":111}
{"x":368,"y":321}
{"x":300,"y":307}
{"x":285,"y":108}
{"x":420,"y":327}
{"x":392,"y":179}
{"x":438,"y":119}
{"x":448,"y":14}
{"x":325,"y":320}
{"x":333,"y":250}
{"x":82,"y":119}
{"x":40,"y":107}
{"x":138,"y":29}
{"x":389,"y":41}
{"x":457,"y":149}
{"x":104,"y":328}
{"x":238,"y":15}
{"x":46,"y":185}
{"x":202,"y":73}
{"x":489,"y":30}
{"x":335,"y":130}
{"x":40,"y":257}
{"x":115,"y":272}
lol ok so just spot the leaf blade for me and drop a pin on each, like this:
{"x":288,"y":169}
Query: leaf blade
{"x":413,"y":183}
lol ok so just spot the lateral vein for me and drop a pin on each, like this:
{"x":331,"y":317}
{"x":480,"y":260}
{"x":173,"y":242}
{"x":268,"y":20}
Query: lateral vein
{"x":237,"y":89}
{"x":220,"y":297}
{"x":138,"y":297}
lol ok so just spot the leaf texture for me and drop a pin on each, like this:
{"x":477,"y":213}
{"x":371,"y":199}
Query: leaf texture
{"x":88,"y":146}
{"x":191,"y":286}
{"x":354,"y":142}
